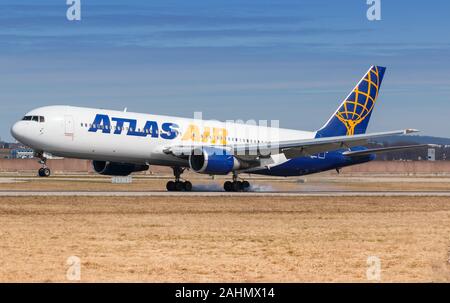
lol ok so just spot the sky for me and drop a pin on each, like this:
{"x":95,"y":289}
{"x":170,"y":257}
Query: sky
{"x":287,"y":60}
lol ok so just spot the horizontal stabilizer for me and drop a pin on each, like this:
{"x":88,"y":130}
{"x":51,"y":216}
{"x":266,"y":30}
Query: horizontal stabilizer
{"x":370,"y":151}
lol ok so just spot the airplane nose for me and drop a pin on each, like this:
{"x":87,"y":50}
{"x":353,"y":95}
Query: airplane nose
{"x":17,"y":130}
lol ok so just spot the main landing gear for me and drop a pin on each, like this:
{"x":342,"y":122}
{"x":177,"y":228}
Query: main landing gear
{"x":178,"y":185}
{"x":44,"y":171}
{"x":236,"y":185}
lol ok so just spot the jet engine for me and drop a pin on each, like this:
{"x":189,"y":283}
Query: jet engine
{"x":116,"y":168}
{"x":213,"y":161}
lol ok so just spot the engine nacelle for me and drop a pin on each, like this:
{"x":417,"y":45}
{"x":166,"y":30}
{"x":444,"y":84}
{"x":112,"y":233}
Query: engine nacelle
{"x":117,"y":169}
{"x":213,"y":161}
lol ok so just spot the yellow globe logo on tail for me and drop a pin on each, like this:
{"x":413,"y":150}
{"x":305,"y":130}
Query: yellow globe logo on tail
{"x":361,"y":101}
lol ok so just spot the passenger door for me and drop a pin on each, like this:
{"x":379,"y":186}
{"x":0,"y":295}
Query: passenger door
{"x":69,"y":126}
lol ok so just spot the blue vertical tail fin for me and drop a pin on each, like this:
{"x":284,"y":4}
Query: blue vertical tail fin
{"x":353,"y":115}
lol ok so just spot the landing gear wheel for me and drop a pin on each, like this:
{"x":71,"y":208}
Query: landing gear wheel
{"x":170,"y":186}
{"x":237,"y":186}
{"x":179,"y":186}
{"x":44,"y":172}
{"x":187,"y":186}
{"x":228,"y":186}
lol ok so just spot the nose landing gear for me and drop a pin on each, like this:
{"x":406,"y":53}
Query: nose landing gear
{"x":178,"y":185}
{"x":44,"y":171}
{"x":236,"y":185}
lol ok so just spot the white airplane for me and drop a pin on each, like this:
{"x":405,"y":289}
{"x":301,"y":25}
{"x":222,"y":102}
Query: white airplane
{"x":120,"y":143}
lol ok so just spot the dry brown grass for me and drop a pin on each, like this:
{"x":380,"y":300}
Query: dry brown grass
{"x":224,"y":239}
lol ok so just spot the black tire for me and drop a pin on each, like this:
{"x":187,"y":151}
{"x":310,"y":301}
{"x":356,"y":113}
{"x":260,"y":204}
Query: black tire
{"x":44,"y":172}
{"x":245,"y":184}
{"x":187,"y":186}
{"x":170,"y":186}
{"x":179,"y":186}
{"x":236,"y":186}
{"x":47,"y":172}
{"x":228,"y":186}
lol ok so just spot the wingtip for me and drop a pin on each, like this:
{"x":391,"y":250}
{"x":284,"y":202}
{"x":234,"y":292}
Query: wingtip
{"x":432,"y":145}
{"x":411,"y":130}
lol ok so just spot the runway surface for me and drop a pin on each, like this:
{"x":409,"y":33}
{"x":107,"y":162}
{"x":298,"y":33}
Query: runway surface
{"x":227,"y":194}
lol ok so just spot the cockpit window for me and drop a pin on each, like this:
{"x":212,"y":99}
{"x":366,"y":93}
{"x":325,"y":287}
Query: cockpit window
{"x":34,"y":118}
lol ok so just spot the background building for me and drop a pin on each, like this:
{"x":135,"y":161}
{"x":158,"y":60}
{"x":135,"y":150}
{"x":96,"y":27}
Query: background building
{"x":22,"y":153}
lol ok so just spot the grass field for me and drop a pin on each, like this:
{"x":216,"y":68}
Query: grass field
{"x":224,"y":238}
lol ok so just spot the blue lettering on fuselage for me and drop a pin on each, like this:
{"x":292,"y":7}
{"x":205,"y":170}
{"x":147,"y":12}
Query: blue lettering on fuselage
{"x":101,"y":122}
{"x":151,"y":128}
{"x":170,"y":131}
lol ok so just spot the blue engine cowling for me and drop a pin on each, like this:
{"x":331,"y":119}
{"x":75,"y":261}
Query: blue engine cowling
{"x":117,"y":169}
{"x":213,"y":161}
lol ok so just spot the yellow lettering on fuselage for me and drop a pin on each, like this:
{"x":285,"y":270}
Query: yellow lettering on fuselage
{"x":218,"y":135}
{"x":191,"y":134}
{"x":206,"y":135}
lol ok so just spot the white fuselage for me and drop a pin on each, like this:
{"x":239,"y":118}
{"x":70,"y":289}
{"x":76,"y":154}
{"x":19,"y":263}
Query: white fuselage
{"x":78,"y":132}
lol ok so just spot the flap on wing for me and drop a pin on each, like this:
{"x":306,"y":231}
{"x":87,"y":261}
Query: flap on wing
{"x":310,"y":150}
{"x":381,"y":150}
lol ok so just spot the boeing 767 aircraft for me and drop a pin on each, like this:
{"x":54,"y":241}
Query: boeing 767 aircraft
{"x":120,"y":143}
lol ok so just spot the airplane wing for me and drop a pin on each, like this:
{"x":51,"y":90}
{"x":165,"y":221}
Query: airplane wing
{"x":291,"y":149}
{"x":300,"y":148}
{"x":369,"y":151}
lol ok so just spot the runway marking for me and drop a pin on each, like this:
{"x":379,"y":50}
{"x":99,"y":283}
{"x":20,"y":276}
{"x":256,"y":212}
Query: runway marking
{"x":225,"y":194}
